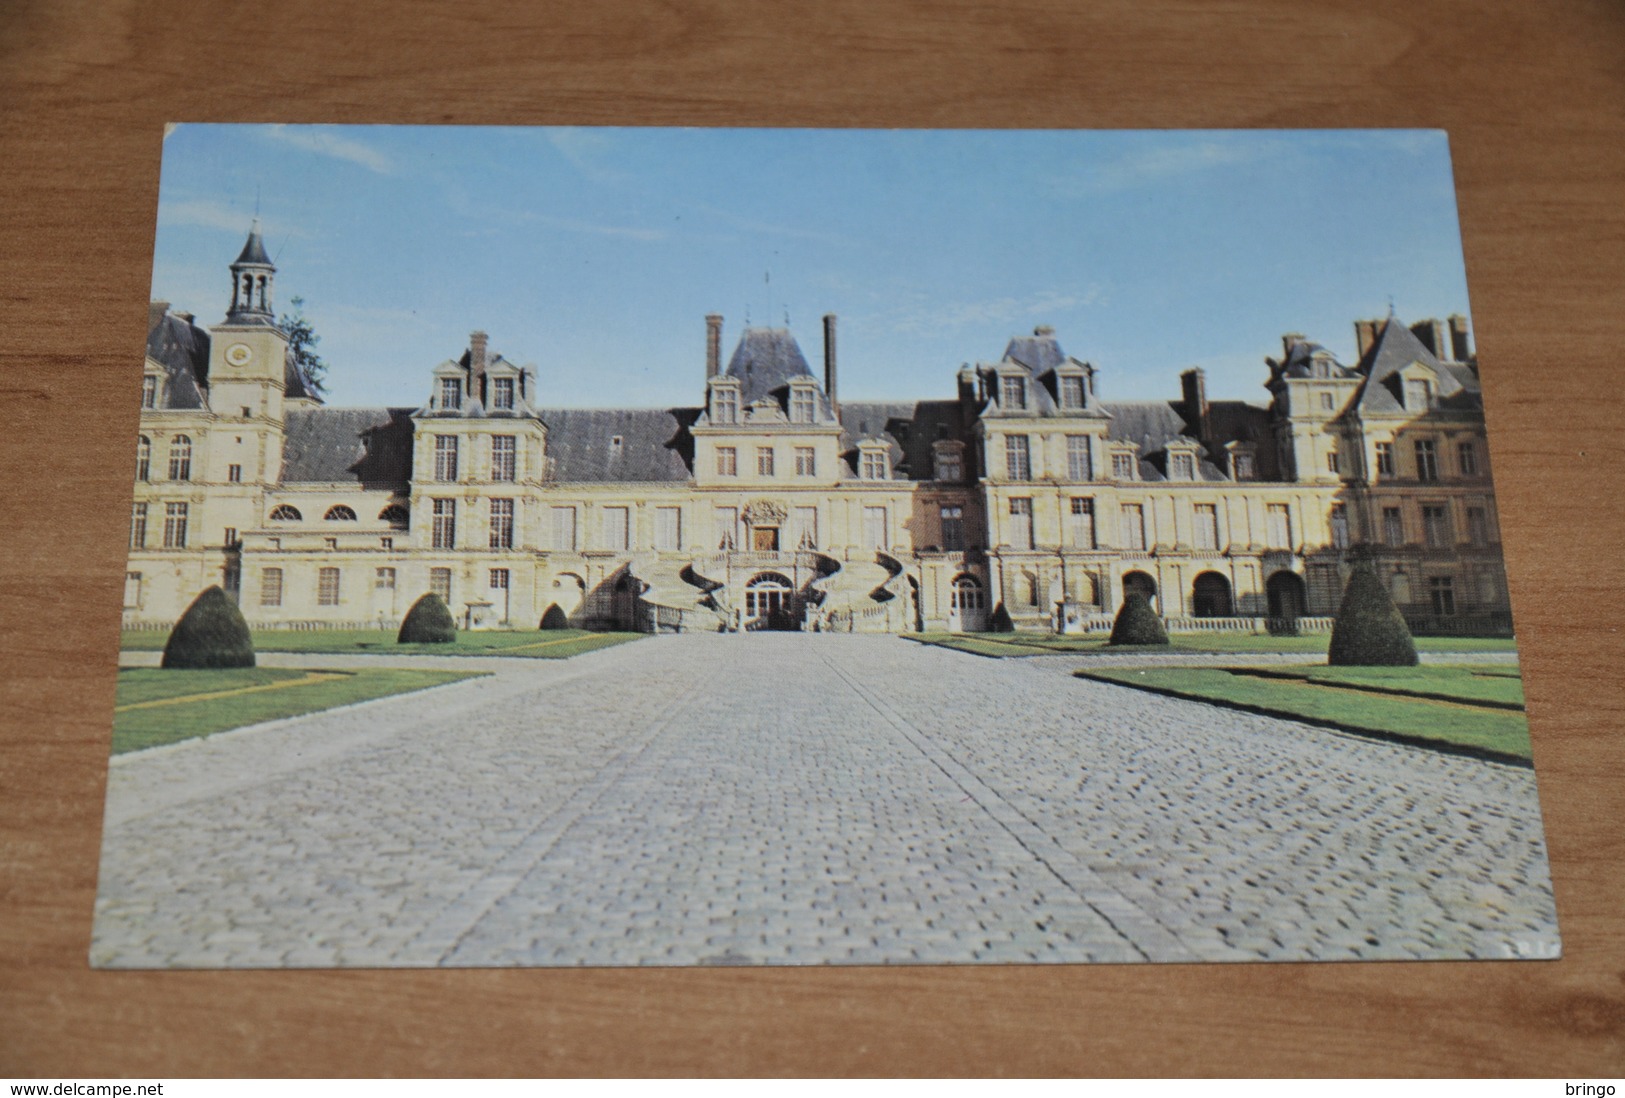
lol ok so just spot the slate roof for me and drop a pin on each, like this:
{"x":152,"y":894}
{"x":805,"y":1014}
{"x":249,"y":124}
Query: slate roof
{"x":1298,"y":361}
{"x":182,"y":349}
{"x":254,"y":248}
{"x":1154,"y":424}
{"x":764,"y":361}
{"x":1395,"y":348}
{"x":1039,"y":352}
{"x":909,"y":429}
{"x":371,"y":447}
{"x":655,"y":444}
{"x":294,"y":383}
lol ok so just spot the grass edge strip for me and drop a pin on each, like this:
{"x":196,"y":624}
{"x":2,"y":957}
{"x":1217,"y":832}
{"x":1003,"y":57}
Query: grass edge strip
{"x":1483,"y":754}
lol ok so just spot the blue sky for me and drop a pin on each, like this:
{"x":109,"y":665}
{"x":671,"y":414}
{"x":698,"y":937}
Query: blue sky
{"x":595,"y":254}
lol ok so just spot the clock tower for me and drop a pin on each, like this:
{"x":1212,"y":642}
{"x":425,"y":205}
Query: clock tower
{"x":248,"y":352}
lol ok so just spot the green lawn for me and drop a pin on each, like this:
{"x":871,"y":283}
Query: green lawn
{"x":552,"y":644}
{"x":1387,"y":706}
{"x":154,"y":706}
{"x":1038,"y":644}
{"x":1499,"y":687}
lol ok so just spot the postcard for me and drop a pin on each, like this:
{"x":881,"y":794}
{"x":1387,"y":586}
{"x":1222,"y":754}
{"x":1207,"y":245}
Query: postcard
{"x":787,"y":547}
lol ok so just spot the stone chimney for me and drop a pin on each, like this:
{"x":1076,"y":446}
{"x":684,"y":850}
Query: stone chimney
{"x":1459,"y":348}
{"x":713,"y":346}
{"x":829,"y":361}
{"x":1365,"y":334}
{"x":1434,"y":337}
{"x":1193,"y":383}
{"x":476,"y":354}
{"x":155,"y":313}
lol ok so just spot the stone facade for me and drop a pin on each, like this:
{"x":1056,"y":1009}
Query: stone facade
{"x":774,"y":504}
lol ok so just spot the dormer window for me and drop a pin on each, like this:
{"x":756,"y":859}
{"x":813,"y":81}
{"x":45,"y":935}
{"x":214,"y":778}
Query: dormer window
{"x":725,"y":404}
{"x":1013,"y":393}
{"x":1418,"y":395}
{"x":451,"y":393}
{"x":615,"y":443}
{"x":1243,"y":465}
{"x":949,"y":458}
{"x":1182,"y":466}
{"x":803,"y":404}
{"x":1071,"y":391}
{"x":502,"y":394}
{"x":149,"y":392}
{"x":874,"y":463}
{"x":1123,"y":466}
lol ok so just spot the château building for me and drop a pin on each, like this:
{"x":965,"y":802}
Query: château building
{"x":1022,"y":497}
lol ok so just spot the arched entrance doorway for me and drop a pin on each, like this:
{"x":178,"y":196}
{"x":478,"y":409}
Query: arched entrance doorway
{"x":1210,"y":596}
{"x":1142,"y":584}
{"x":770,"y":603}
{"x":1286,"y":596}
{"x":967,"y":610}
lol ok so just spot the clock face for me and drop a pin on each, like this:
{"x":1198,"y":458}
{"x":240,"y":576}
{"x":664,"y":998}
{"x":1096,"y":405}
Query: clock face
{"x":238,"y":354}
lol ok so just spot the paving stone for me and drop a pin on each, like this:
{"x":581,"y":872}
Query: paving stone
{"x":784,"y":799}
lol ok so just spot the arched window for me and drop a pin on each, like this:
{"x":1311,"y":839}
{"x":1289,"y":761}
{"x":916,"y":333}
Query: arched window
{"x":339,"y":513}
{"x":1210,"y":596}
{"x":967,"y":594}
{"x":285,"y":513}
{"x":396,"y":515}
{"x":143,"y":458}
{"x":180,"y":458}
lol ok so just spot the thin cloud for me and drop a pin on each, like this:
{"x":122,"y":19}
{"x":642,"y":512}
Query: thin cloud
{"x":1138,"y":167}
{"x":324,"y":142}
{"x":207,"y":213}
{"x":997,"y":310}
{"x":584,"y":149}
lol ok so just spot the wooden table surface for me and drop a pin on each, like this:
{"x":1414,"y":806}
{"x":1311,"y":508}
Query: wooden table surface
{"x":1533,"y":94}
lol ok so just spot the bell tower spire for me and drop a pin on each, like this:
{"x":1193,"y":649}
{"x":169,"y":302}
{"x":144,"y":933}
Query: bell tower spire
{"x":251,"y":278}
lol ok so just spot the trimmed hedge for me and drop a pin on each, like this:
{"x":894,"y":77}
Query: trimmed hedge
{"x":555,"y":618}
{"x":428,"y":622}
{"x":1369,"y":630}
{"x":1137,"y":623}
{"x":211,"y":634}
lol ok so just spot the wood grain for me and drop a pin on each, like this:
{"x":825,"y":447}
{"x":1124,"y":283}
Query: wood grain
{"x":1533,"y":95}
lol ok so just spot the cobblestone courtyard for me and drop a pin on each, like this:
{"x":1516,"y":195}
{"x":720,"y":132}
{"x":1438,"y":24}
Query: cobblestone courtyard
{"x":794,"y":799}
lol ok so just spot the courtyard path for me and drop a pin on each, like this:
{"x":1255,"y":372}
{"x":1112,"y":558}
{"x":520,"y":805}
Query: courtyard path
{"x":806,"y":799}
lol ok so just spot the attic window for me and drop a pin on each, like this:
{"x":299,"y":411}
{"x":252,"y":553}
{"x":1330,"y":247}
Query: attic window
{"x":1013,"y":393}
{"x":1071,"y":391}
{"x":502,"y":394}
{"x":451,"y":393}
{"x":873,"y":464}
{"x":1418,"y":395}
{"x":615,"y":442}
{"x":802,"y":404}
{"x":149,"y":391}
{"x":1182,"y":466}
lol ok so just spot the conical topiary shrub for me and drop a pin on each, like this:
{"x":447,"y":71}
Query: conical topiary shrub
{"x":428,"y":622}
{"x":1137,"y":622}
{"x":212,"y":633}
{"x":999,"y":621}
{"x":1369,"y":630}
{"x":555,"y":618}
